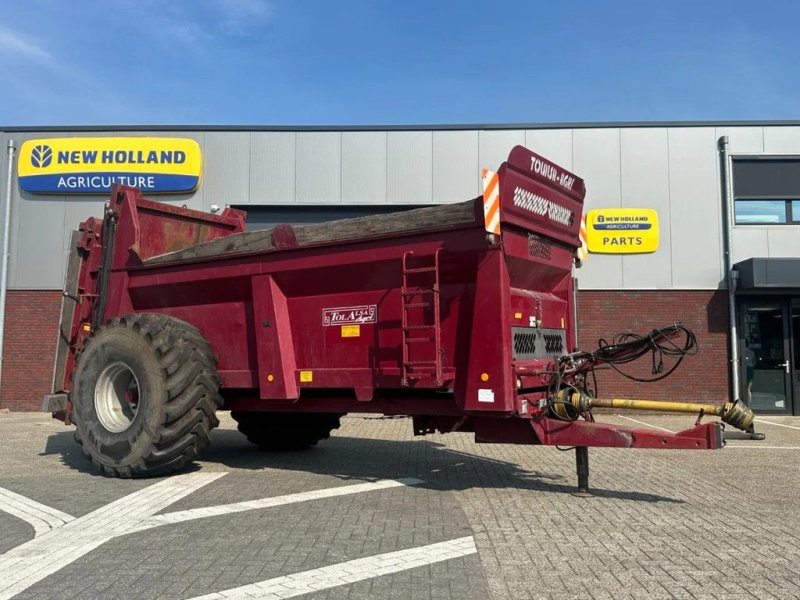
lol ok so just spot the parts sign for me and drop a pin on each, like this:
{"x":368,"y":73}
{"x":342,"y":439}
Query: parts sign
{"x":93,"y":165}
{"x":622,"y":230}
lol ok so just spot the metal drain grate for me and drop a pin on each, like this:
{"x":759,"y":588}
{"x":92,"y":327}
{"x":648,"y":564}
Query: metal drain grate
{"x":531,"y":342}
{"x":539,"y":247}
{"x":553,"y":343}
{"x":524,"y":344}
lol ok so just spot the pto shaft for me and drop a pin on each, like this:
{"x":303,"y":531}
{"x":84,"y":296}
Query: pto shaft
{"x":567,"y":405}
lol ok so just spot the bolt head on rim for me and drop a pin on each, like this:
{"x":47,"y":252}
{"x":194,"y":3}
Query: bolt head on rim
{"x":116,"y":397}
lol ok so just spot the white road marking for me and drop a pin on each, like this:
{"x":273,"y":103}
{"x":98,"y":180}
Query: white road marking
{"x":29,"y":563}
{"x":729,"y":445}
{"x":777,"y":424}
{"x":646,"y":424}
{"x":226,"y":509}
{"x":348,"y":572}
{"x":61,"y":545}
{"x":41,"y":517}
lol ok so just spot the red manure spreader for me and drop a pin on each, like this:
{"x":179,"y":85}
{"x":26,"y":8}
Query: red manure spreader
{"x":461,"y":316}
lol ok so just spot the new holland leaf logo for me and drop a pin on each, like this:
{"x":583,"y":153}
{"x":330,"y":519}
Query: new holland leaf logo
{"x":41,"y":156}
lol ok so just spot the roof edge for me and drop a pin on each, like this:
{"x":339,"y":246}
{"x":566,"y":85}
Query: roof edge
{"x":421,"y":127}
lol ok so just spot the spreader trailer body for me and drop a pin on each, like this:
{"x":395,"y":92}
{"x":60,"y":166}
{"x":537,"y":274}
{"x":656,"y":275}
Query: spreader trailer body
{"x":461,"y":316}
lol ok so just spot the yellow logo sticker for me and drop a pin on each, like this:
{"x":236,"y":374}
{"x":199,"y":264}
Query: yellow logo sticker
{"x":306,"y":376}
{"x":622,"y":230}
{"x":92,"y":165}
{"x":351,"y":330}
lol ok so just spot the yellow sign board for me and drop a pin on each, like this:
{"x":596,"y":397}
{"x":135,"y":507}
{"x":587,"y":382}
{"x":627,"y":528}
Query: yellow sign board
{"x":91,"y":165}
{"x":622,"y":230}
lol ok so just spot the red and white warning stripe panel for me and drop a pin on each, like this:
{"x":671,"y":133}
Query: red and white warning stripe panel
{"x":491,"y":201}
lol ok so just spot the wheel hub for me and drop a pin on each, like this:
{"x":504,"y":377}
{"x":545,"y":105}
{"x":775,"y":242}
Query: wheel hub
{"x":116,"y":397}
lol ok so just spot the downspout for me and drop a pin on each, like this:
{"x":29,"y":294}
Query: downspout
{"x":731,"y":275}
{"x":4,"y":273}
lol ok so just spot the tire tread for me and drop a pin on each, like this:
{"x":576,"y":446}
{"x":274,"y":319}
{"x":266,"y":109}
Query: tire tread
{"x":191,"y":380}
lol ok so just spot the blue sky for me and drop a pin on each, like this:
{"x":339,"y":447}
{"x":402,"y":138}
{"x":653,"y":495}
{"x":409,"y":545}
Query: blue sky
{"x":284,"y":62}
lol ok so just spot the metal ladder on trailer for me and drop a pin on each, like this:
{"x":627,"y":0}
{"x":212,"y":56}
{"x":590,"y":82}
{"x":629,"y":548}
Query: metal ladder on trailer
{"x":413,"y":299}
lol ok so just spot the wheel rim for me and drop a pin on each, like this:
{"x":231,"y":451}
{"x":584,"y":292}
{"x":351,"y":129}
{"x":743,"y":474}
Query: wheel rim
{"x":116,"y":397}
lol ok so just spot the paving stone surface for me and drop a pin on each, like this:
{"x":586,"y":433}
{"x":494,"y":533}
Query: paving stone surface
{"x":661,"y":524}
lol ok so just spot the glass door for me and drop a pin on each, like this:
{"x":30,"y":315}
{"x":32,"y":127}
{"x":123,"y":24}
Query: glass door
{"x":767,"y":381}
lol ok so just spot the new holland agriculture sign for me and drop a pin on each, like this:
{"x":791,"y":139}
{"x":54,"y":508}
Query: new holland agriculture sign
{"x":622,"y":230}
{"x":93,"y":165}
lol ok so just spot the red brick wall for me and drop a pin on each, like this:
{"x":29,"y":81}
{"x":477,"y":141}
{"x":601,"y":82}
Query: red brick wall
{"x":703,"y":377}
{"x":32,"y":324}
{"x":29,"y":347}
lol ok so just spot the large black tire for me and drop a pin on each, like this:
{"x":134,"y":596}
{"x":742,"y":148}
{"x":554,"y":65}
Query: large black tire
{"x":145,"y":394}
{"x":285,"y":431}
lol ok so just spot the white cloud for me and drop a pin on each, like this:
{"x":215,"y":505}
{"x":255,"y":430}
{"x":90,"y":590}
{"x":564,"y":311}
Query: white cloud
{"x":239,"y":14}
{"x":245,"y":9}
{"x":199,"y":25}
{"x":15,"y":43}
{"x":185,"y":32}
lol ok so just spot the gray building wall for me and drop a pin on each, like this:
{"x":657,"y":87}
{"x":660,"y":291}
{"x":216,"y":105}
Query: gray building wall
{"x":673,"y":169}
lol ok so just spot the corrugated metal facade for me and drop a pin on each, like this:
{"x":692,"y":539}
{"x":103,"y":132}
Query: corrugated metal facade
{"x":673,"y":169}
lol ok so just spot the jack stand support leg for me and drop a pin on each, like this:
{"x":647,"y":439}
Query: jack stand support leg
{"x":754,"y":435}
{"x":582,"y":464}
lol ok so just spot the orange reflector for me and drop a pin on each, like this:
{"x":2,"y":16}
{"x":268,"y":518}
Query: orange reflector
{"x":484,"y":377}
{"x":582,"y":253}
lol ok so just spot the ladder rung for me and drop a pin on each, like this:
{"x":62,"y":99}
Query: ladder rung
{"x":428,"y":335}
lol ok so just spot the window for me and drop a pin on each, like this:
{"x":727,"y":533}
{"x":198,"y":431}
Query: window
{"x":766,"y":190}
{"x":762,"y":212}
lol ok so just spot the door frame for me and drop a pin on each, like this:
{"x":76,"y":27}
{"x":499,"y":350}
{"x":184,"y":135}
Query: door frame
{"x":794,"y":352}
{"x":785,"y":302}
